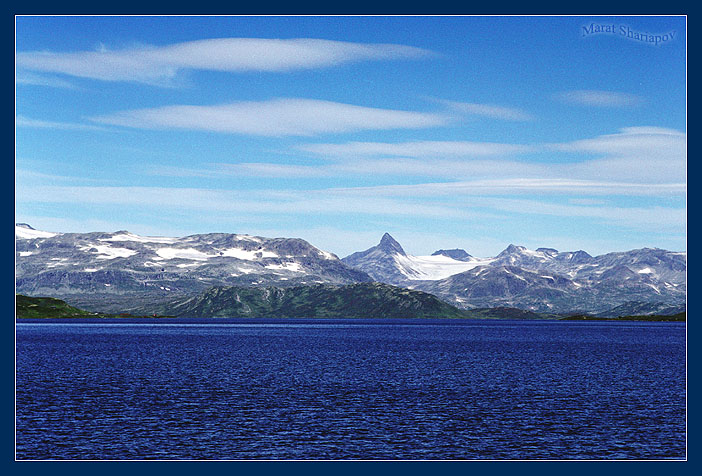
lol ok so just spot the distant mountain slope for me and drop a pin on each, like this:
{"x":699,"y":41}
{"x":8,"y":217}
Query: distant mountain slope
{"x":544,"y":280}
{"x":108,"y":271}
{"x":456,"y":254}
{"x":637,"y":308}
{"x":388,"y":263}
{"x":361,"y":300}
{"x":124,"y":272}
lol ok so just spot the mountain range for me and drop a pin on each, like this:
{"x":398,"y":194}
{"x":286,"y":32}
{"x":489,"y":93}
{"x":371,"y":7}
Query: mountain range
{"x":121,"y":271}
{"x":541,"y":280}
{"x":114,"y":272}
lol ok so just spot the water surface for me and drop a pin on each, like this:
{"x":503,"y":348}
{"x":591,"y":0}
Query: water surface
{"x":361,"y":389}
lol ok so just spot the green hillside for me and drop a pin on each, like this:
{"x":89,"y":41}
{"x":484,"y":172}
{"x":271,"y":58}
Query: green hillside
{"x":45,"y":307}
{"x":27,"y":307}
{"x":361,"y":300}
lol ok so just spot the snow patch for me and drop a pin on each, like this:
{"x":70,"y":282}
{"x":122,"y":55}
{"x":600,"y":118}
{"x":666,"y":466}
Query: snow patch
{"x":108,"y":252}
{"x":140,"y":239}
{"x":247,"y":255}
{"x":183,"y":253}
{"x":294,"y":267}
{"x":326,"y":254}
{"x":645,"y":271}
{"x":435,"y":267}
{"x":27,"y":234}
{"x":248,"y":238}
{"x":25,"y":253}
{"x":515,"y":275}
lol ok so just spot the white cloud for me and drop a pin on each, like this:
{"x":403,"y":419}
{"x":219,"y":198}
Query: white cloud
{"x":507,"y":186}
{"x":599,"y":98}
{"x":632,"y":140}
{"x":272,"y":170}
{"x":30,"y":79}
{"x":275,"y":117}
{"x":641,"y":161}
{"x":416,"y":149}
{"x":453,"y":201}
{"x":21,"y":121}
{"x":159,"y":65}
{"x":492,"y":111}
{"x":634,"y":154}
{"x":288,"y":202}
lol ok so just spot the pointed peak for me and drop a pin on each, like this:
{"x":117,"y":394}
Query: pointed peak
{"x":24,"y":225}
{"x":390,"y":245}
{"x":511,"y":249}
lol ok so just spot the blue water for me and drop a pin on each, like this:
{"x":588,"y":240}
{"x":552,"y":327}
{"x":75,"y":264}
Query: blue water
{"x":371,"y":389}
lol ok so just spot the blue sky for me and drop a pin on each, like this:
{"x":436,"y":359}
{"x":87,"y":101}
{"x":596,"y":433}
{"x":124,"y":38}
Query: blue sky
{"x":447,"y":132}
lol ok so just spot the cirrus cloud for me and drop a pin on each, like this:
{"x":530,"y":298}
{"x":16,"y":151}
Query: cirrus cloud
{"x":160,"y":65}
{"x":599,"y":98}
{"x":492,"y":111}
{"x":275,"y":117}
{"x":416,"y":149}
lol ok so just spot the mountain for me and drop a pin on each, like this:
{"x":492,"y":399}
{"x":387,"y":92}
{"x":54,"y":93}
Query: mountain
{"x":457,"y":254}
{"x":123,"y":272}
{"x":544,"y":280}
{"x":388,"y":263}
{"x":361,"y":300}
{"x":116,"y":272}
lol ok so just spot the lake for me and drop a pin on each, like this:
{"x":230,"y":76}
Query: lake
{"x":340,"y":389}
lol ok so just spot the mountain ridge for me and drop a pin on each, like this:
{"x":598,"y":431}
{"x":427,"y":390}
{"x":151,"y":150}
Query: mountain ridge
{"x":94,"y":266}
{"x":541,"y":280}
{"x":116,"y":271}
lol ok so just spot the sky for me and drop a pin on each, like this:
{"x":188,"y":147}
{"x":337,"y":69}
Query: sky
{"x":446,"y":132}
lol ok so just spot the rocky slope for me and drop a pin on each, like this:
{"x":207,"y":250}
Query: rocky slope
{"x":542,"y":280}
{"x":113,"y":272}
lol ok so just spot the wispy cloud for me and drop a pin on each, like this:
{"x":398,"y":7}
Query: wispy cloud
{"x":213,"y":201}
{"x":491,"y":111}
{"x":30,"y":79}
{"x":416,"y":149}
{"x":632,"y":141}
{"x":599,"y":98}
{"x":159,"y":65}
{"x":21,"y":121}
{"x":435,"y":201}
{"x":276,"y":117}
{"x":510,"y":186}
{"x":633,"y":155}
{"x":246,"y":169}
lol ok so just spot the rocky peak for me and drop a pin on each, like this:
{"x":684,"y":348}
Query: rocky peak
{"x":388,"y":244}
{"x":457,"y":254}
{"x":512,"y":249}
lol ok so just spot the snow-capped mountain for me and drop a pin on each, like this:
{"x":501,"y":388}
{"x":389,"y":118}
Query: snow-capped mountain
{"x":388,"y":263}
{"x":543,"y":280}
{"x":87,"y":265}
{"x":120,"y":271}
